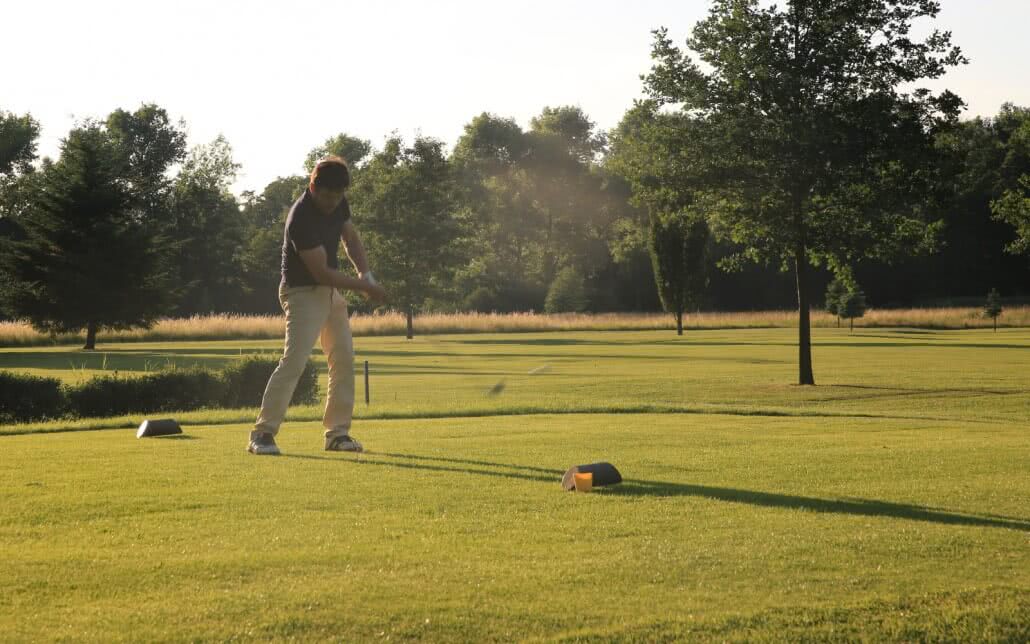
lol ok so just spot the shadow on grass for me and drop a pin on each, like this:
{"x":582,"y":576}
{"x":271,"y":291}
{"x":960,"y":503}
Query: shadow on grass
{"x":359,"y":459}
{"x":643,"y":488}
{"x":861,"y":507}
{"x":899,"y":392}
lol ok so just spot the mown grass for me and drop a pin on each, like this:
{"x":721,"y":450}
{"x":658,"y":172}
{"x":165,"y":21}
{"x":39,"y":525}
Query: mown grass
{"x":889,"y":502}
{"x":243,"y":327}
{"x":971,"y":375}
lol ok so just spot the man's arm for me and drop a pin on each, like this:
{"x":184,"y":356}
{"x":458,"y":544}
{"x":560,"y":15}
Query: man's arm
{"x":354,"y":248}
{"x":315,"y":261}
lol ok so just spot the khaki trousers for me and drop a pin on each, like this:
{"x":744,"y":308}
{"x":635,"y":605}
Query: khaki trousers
{"x":312,"y":312}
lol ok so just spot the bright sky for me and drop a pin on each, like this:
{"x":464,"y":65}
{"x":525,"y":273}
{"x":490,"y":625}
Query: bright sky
{"x":278,"y":78}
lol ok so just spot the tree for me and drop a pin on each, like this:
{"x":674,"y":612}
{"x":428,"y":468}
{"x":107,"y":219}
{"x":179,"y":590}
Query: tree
{"x":811,"y":152}
{"x":565,"y":190}
{"x":405,"y":207}
{"x":86,"y":261}
{"x":269,"y":208}
{"x":1014,"y":209}
{"x":149,"y":144}
{"x":574,"y":128}
{"x":18,"y":137}
{"x":678,"y":255}
{"x":658,"y":154}
{"x":538,"y":202}
{"x":992,"y":308}
{"x":264,"y":217}
{"x":1013,"y":206}
{"x":982,"y":162}
{"x":208,"y":230}
{"x":489,"y":163}
{"x":567,"y":293}
{"x":851,"y":305}
{"x":351,"y":149}
{"x":836,"y":290}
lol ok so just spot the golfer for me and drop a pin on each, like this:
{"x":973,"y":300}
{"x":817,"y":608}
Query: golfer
{"x":314,"y":308}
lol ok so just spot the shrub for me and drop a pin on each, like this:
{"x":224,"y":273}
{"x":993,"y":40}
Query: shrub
{"x":852,"y":305}
{"x":992,"y":307}
{"x":173,"y":390}
{"x":244,"y":383}
{"x":28,"y":398}
{"x":25,"y":398}
{"x":835,"y":292}
{"x":568,"y":293}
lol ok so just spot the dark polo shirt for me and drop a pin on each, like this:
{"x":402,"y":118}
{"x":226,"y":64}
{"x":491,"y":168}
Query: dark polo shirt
{"x":308,"y":227}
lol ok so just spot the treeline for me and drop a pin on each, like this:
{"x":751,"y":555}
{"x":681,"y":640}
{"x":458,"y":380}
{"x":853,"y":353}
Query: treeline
{"x":127,"y":225}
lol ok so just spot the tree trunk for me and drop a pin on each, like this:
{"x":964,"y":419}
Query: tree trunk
{"x":852,"y":321}
{"x":679,"y":322}
{"x":995,"y":323}
{"x":805,"y":376}
{"x":838,"y":321}
{"x":91,"y":336}
{"x":411,"y":326}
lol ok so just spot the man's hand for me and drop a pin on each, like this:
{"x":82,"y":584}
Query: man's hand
{"x":375,"y":293}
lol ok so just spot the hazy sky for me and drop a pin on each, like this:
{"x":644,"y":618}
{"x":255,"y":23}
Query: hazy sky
{"x":278,"y":78}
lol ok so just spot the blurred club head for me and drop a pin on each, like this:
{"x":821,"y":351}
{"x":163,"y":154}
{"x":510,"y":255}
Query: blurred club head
{"x":496,"y":389}
{"x":541,"y":369}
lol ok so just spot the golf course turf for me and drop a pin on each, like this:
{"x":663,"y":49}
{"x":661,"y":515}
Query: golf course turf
{"x":891,"y":501}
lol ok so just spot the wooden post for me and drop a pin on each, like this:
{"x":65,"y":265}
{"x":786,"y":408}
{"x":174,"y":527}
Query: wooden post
{"x":366,"y":382}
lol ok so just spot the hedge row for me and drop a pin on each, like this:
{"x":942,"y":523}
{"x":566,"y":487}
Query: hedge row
{"x":26,"y":398}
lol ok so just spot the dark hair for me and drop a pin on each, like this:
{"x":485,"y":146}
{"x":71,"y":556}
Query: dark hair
{"x":330,"y":173}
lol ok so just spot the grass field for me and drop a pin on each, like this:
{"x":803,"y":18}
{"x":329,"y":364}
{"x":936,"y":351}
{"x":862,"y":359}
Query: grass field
{"x":892,"y":501}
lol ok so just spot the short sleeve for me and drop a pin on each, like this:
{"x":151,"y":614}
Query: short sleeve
{"x":302,"y":234}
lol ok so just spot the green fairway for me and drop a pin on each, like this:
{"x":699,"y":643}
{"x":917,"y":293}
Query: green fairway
{"x":892,"y":501}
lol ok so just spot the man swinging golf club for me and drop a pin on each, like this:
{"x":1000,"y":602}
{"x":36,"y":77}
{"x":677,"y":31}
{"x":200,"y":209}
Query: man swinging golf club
{"x":314,"y":308}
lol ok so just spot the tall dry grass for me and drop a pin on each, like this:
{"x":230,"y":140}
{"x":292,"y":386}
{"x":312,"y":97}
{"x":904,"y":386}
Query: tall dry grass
{"x":244,"y":327}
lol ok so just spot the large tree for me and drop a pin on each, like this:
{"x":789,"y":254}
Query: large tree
{"x":657,"y":154}
{"x":489,"y":165}
{"x":541,"y":202}
{"x":566,"y":190}
{"x":404,"y":203}
{"x":264,"y":216}
{"x":208,"y":230}
{"x":573,"y":128}
{"x":149,"y":144}
{"x":18,"y":137}
{"x":1014,"y":208}
{"x":86,"y":260}
{"x":18,"y":140}
{"x":353,"y":150}
{"x":677,"y":244}
{"x":814,"y":153}
{"x":1013,"y":205}
{"x":982,"y":159}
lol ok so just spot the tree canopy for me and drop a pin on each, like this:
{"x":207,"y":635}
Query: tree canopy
{"x":404,"y":198}
{"x":810,"y":150}
{"x":18,"y":139}
{"x":85,"y":261}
